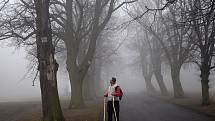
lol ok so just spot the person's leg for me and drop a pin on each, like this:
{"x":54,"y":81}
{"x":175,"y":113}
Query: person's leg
{"x":110,"y":116}
{"x":117,"y":108}
{"x":117,"y":114}
{"x":110,"y":110}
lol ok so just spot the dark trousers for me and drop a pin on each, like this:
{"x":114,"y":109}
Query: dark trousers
{"x":110,"y":110}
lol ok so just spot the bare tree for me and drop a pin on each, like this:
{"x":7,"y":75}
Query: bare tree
{"x":201,"y":18}
{"x":174,"y":38}
{"x":153,"y":46}
{"x":28,"y":23}
{"x":84,"y":29}
{"x":47,"y":64}
{"x":147,"y":69}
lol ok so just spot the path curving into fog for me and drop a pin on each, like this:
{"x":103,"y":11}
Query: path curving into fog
{"x":140,"y":107}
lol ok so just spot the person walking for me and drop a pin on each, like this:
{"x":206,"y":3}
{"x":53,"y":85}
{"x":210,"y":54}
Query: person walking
{"x":113,"y":94}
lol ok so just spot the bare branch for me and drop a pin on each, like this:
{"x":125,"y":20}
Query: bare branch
{"x":4,"y":4}
{"x":123,"y":3}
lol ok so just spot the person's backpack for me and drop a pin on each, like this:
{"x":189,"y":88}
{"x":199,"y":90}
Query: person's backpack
{"x":120,"y":97}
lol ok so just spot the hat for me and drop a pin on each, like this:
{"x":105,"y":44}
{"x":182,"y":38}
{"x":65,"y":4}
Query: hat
{"x":114,"y":79}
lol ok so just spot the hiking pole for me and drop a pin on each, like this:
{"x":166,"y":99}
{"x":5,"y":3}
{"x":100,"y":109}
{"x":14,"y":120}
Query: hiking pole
{"x":114,"y":109}
{"x":104,"y":109}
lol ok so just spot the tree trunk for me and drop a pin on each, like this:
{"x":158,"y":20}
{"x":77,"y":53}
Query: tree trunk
{"x":160,"y":81}
{"x":205,"y":72}
{"x":97,"y":78}
{"x":50,"y":98}
{"x":89,"y":86}
{"x":76,"y":83}
{"x":48,"y":66}
{"x":177,"y":87}
{"x":156,"y":65}
{"x":149,"y":87}
{"x":157,"y":72}
{"x":77,"y":100}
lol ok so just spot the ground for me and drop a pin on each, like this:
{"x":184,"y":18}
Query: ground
{"x":31,"y":111}
{"x":193,"y":101}
{"x":134,"y":107}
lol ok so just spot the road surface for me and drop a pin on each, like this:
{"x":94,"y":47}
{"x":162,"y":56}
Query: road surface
{"x":140,"y":107}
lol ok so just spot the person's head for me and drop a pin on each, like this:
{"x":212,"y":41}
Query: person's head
{"x":113,"y":81}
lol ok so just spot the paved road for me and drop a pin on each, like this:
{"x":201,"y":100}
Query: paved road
{"x":138,"y":107}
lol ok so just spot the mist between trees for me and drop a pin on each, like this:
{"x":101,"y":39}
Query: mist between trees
{"x":164,"y":35}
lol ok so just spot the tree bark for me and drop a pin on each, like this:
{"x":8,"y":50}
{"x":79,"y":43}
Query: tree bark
{"x":48,"y":66}
{"x":159,"y":78}
{"x":177,"y":87}
{"x":97,"y":78}
{"x":89,"y":86}
{"x":76,"y":84}
{"x":87,"y":92}
{"x":149,"y":87}
{"x":205,"y":72}
{"x":147,"y":72}
{"x":50,"y":98}
{"x":155,"y":55}
{"x":76,"y":77}
{"x":157,"y":72}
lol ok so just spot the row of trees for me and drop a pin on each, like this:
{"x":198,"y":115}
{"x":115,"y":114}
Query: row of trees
{"x":176,"y":32}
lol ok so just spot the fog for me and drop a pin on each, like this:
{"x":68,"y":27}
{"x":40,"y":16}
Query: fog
{"x":59,"y":60}
{"x":124,"y":66}
{"x":128,"y":72}
{"x":13,"y":87}
{"x":14,"y":67}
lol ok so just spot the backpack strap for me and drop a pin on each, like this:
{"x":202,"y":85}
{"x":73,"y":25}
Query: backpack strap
{"x":121,"y":93}
{"x":117,"y":87}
